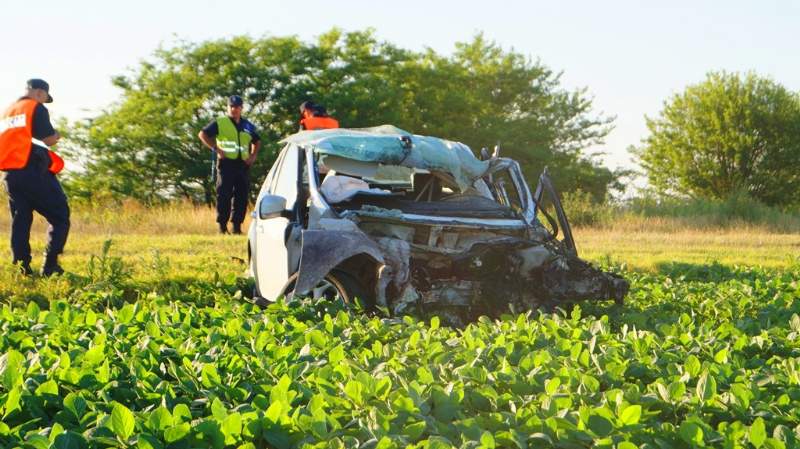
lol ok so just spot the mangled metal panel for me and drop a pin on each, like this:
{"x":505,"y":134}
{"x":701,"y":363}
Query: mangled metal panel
{"x":317,"y":259}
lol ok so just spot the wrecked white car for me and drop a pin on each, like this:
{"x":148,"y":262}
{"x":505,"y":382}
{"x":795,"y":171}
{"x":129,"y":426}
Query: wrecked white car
{"x":413,"y":224}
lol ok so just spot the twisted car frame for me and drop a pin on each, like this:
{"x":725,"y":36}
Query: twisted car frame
{"x":414,"y":224}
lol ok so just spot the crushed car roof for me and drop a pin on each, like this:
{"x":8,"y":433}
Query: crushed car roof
{"x":385,"y":145}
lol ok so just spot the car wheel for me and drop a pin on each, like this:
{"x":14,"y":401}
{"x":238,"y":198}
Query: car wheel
{"x":336,"y":286}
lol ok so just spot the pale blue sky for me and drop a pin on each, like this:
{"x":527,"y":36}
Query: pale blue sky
{"x":631,"y":55}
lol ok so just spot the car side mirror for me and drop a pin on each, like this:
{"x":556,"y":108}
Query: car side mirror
{"x":271,"y":206}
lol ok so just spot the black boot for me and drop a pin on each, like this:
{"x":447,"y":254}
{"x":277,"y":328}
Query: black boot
{"x":24,"y":268}
{"x":51,"y":266}
{"x":223,"y":228}
{"x":237,"y":228}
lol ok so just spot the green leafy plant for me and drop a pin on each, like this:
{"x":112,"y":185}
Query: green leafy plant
{"x":709,"y":360}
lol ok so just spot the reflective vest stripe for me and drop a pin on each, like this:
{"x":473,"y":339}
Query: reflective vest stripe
{"x":234,"y":143}
{"x":16,"y":132}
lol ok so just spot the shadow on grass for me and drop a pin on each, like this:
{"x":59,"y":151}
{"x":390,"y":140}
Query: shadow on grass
{"x":695,"y":272}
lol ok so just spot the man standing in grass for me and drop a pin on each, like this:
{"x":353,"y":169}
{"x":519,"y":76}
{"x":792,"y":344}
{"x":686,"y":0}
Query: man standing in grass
{"x":236,"y":143}
{"x":30,"y":168}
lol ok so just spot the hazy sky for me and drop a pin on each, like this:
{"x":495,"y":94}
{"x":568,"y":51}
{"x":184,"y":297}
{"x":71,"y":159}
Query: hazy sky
{"x":631,"y":55}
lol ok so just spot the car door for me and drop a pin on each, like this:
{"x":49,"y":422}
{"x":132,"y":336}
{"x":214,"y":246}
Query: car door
{"x":272,"y":257}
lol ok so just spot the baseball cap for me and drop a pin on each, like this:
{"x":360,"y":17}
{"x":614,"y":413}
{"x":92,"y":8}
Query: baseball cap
{"x":235,"y":100}
{"x":36,"y":83}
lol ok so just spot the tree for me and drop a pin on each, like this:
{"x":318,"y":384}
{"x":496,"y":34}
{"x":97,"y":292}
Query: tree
{"x":145,"y":146}
{"x":730,"y":134}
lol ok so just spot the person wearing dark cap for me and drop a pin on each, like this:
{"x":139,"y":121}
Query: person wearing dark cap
{"x":236,"y":143}
{"x":314,"y":116}
{"x":30,"y":168}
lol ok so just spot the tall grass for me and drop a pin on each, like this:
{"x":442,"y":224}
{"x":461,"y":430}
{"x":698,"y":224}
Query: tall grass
{"x":640,"y":214}
{"x":648,"y":214}
{"x":129,"y":217}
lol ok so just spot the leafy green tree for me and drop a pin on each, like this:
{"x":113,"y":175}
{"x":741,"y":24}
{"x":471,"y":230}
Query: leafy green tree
{"x":730,"y":134}
{"x":146,"y":147}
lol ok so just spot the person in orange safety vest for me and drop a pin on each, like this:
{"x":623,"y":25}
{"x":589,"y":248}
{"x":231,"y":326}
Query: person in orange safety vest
{"x":30,"y":169}
{"x":314,"y":116}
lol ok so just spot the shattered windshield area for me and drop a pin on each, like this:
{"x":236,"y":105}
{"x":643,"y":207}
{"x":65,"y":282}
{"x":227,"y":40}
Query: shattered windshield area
{"x":350,"y":185}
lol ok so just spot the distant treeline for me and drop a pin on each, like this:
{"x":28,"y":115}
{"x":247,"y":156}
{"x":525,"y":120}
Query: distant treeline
{"x":729,"y":136}
{"x":146,"y":147}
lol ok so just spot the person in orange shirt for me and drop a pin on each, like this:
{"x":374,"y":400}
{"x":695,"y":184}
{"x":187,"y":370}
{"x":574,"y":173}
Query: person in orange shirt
{"x":314,"y":116}
{"x":30,"y":168}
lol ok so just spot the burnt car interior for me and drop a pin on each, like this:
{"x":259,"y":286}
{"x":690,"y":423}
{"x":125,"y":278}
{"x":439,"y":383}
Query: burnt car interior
{"x":415,"y":191}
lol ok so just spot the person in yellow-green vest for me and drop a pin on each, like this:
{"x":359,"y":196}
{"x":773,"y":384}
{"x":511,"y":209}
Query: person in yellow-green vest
{"x":236,"y":143}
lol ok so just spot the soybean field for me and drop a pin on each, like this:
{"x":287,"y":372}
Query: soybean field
{"x":148,"y":341}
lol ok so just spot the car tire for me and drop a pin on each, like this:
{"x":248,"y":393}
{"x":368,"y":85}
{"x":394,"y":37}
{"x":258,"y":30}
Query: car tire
{"x":337,"y":285}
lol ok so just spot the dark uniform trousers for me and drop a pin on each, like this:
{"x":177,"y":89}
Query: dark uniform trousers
{"x":233,"y":185}
{"x":30,"y":189}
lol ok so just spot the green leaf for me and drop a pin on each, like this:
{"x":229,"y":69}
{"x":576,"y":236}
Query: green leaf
{"x":385,"y":443}
{"x":280,"y":392}
{"x":336,"y":354}
{"x":551,"y":385}
{"x":354,"y":390}
{"x":160,"y":419}
{"x":146,"y":441}
{"x":75,"y":404}
{"x":275,"y":412}
{"x":210,"y":376}
{"x":424,"y":376}
{"x":676,"y":390}
{"x":103,"y":374}
{"x":434,"y":323}
{"x":627,"y":445}
{"x":49,"y":388}
{"x":691,"y":433}
{"x":758,"y":433}
{"x":232,"y":427}
{"x":122,"y":421}
{"x":794,"y":322}
{"x":55,"y":431}
{"x":706,"y":387}
{"x":175,"y":433}
{"x":663,"y":393}
{"x":181,"y":413}
{"x":630,"y":415}
{"x":218,"y":410}
{"x":12,"y":368}
{"x":36,"y":441}
{"x":721,"y":356}
{"x":414,"y":339}
{"x":692,"y":365}
{"x":91,"y":318}
{"x":487,"y":440}
{"x":70,"y":440}
{"x":772,"y":443}
{"x":317,"y":337}
{"x":600,"y":425}
{"x":13,"y":400}
{"x":33,"y":311}
{"x":414,"y":430}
